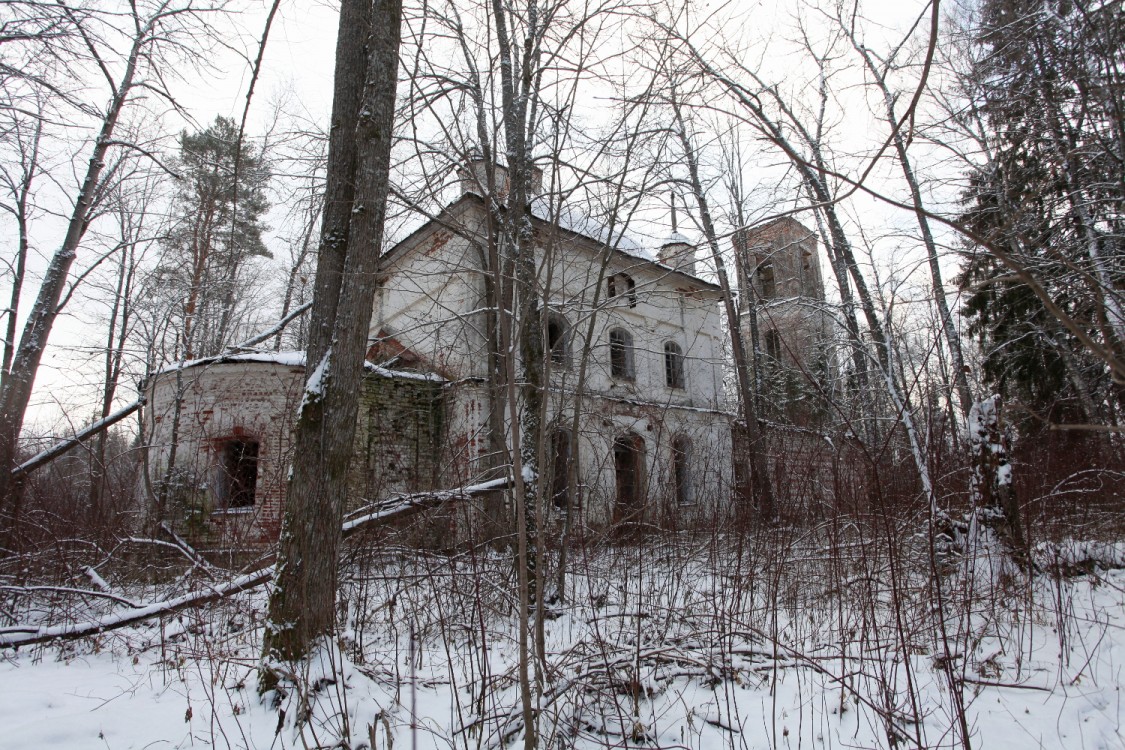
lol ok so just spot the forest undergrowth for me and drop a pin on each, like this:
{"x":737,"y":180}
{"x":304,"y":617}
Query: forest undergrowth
{"x":855,"y":633}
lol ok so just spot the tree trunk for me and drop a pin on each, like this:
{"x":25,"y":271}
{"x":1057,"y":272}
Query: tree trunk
{"x":302,"y":604}
{"x":761,"y":486}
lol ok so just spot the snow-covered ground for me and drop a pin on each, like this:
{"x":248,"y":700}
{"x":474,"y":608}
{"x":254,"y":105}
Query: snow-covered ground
{"x":810,"y":641}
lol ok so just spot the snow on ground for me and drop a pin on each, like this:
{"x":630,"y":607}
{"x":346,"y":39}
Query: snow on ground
{"x":670,"y":645}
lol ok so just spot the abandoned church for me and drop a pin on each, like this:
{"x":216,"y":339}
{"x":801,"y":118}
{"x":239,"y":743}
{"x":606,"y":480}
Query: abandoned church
{"x":637,"y":429}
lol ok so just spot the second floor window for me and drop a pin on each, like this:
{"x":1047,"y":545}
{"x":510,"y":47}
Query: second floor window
{"x":621,"y":354}
{"x":766,"y":280}
{"x":673,"y":365}
{"x":622,"y":285}
{"x":558,"y":343}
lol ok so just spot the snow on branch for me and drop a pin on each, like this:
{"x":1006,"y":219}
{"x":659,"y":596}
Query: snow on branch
{"x":371,"y":515}
{"x":281,"y":324}
{"x":59,"y":448}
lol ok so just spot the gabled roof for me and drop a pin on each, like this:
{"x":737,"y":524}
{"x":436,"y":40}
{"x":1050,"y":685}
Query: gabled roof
{"x":572,"y":222}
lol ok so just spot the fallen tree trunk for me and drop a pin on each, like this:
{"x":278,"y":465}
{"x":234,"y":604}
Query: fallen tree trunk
{"x":375,"y":514}
{"x":62,"y":447}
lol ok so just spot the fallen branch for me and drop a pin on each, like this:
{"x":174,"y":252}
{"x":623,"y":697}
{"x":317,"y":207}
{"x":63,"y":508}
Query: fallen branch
{"x":273,"y":331}
{"x":404,"y":505}
{"x":371,"y":515}
{"x":62,"y":447}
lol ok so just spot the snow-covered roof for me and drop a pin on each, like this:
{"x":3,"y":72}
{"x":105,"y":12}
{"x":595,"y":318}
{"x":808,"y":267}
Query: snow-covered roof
{"x":587,"y":226}
{"x":572,"y":221}
{"x":284,"y":358}
{"x":294,"y":359}
{"x":675,"y":238}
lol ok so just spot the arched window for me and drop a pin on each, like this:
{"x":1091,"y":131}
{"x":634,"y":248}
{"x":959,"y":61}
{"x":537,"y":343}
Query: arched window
{"x":621,"y":354}
{"x":560,"y":463}
{"x":238,"y":472}
{"x":681,"y":471}
{"x":766,"y":281}
{"x":622,"y":284}
{"x":628,"y":466}
{"x":558,"y":340}
{"x":673,"y":365}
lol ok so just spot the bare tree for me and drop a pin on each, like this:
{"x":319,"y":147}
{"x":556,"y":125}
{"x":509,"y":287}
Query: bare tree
{"x":881,"y":68}
{"x":762,"y":486}
{"x":128,"y":52}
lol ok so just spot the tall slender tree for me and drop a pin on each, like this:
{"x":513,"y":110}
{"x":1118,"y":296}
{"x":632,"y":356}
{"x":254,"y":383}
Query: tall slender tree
{"x":217,"y":230}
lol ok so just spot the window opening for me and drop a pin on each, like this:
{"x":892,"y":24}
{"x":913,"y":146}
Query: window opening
{"x":673,"y":365}
{"x":239,"y":473}
{"x":560,"y":463}
{"x":620,"y":354}
{"x":622,"y":284}
{"x":628,"y":463}
{"x":766,"y":279}
{"x":773,"y":344}
{"x":557,"y":341}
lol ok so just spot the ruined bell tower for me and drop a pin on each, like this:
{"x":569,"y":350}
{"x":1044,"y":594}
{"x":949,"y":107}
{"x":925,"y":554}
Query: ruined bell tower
{"x":784,"y":320}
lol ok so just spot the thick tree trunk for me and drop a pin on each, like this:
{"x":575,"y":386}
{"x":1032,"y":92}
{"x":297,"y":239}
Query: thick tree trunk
{"x":302,"y":604}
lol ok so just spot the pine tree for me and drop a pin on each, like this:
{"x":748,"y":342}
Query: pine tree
{"x":217,"y":229}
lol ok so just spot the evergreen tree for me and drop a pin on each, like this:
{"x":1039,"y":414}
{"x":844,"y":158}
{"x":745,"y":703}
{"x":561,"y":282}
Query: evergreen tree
{"x":1051,"y":196}
{"x":217,"y":229}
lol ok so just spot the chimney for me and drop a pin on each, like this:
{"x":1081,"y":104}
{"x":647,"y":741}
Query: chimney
{"x":678,"y":253}
{"x":474,"y":179}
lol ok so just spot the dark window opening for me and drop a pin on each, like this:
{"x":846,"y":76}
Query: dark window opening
{"x":766,"y":280}
{"x":239,"y":477}
{"x":681,"y":474}
{"x":622,"y":284}
{"x":773,"y":345}
{"x":620,"y":354}
{"x":673,"y":365}
{"x":560,"y":465}
{"x":557,"y":341}
{"x":628,"y":464}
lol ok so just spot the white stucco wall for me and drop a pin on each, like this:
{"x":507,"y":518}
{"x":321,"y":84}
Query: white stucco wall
{"x":430,"y":301}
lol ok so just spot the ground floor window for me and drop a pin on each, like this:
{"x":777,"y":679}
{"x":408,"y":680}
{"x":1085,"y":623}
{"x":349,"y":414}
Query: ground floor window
{"x":681,"y":471}
{"x":238,"y":475}
{"x":628,"y":464}
{"x":560,"y":464}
